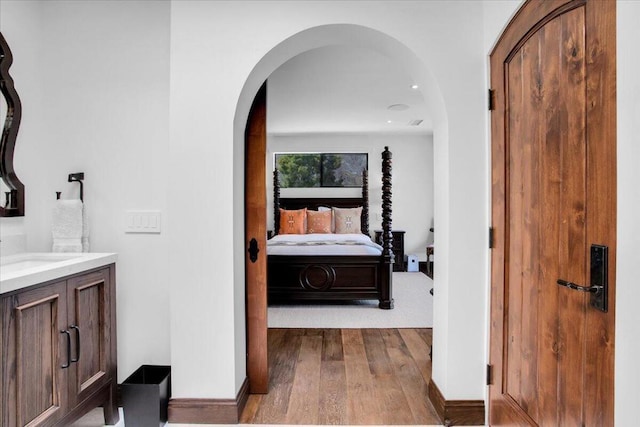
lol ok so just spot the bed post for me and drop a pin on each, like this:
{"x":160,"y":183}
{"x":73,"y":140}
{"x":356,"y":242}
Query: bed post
{"x":365,"y":203}
{"x":276,"y":201}
{"x":386,"y":301}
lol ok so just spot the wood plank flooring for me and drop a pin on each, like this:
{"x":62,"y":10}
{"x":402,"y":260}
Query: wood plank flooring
{"x":345,"y":376}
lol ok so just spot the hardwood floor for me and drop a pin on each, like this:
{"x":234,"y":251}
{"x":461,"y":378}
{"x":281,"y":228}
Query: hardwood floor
{"x":345,"y":376}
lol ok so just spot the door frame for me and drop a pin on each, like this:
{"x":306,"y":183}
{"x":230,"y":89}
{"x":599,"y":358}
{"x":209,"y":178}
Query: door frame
{"x":601,"y":190}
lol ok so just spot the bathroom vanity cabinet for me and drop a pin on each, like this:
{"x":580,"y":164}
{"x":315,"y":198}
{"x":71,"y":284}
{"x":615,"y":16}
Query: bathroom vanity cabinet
{"x":59,"y":350}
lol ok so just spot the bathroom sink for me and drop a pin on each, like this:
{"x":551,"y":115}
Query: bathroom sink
{"x":31,"y":260}
{"x":27,"y":269}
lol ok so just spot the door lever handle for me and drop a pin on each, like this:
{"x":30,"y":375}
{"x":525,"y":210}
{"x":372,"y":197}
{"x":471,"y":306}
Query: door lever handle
{"x":599,"y":280}
{"x":580,"y":288}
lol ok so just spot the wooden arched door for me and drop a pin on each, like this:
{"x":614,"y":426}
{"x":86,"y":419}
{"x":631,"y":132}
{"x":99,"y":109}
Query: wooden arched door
{"x":256,"y":243}
{"x":553,"y":196}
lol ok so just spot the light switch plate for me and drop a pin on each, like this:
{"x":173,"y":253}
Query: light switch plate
{"x":142,"y":222}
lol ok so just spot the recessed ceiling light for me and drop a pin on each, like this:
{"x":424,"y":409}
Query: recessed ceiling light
{"x":398,"y":107}
{"x":389,"y":121}
{"x":414,"y":87}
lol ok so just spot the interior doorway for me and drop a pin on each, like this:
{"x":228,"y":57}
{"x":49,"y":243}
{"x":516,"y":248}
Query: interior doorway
{"x":367,"y":374}
{"x":257,"y":339}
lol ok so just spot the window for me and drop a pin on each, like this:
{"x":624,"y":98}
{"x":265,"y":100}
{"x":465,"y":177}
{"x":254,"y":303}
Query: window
{"x":308,"y":170}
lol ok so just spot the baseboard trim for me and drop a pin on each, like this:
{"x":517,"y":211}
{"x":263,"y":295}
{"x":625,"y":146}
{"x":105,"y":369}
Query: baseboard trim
{"x":456,"y":412}
{"x":209,"y":411}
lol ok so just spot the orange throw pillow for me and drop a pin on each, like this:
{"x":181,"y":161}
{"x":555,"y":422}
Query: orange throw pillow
{"x":318,"y":222}
{"x":293,"y":222}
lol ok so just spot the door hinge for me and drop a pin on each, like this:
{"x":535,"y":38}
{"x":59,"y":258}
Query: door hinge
{"x":491,"y":237}
{"x":489,"y":374}
{"x":492,"y":99}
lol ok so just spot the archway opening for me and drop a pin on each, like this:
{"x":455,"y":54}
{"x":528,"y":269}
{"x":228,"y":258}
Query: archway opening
{"x":314,"y":38}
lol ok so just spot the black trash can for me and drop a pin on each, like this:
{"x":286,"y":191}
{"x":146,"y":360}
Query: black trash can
{"x":145,"y":396}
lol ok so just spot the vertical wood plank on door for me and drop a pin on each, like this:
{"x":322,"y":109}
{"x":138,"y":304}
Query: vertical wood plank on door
{"x":602,"y":199}
{"x":533,"y":88}
{"x":550,"y":212}
{"x":514,"y":207}
{"x":572,"y":245}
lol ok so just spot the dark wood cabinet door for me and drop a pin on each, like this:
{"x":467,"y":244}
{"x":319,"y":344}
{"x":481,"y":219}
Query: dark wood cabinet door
{"x":89,"y":302}
{"x":34,"y":354}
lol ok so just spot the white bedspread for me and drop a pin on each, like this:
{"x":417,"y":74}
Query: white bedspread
{"x":322,"y":244}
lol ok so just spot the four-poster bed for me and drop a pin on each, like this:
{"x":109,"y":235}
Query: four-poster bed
{"x":319,"y":274}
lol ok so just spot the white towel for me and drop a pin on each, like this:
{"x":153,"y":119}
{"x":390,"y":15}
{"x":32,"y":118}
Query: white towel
{"x":67,"y":227}
{"x":85,"y":229}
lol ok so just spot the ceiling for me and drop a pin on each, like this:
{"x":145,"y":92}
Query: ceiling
{"x":343,"y":89}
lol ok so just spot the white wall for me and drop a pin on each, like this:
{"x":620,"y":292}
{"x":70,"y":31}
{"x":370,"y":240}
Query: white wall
{"x":94,"y":83}
{"x":412,"y":179}
{"x":627,"y":394}
{"x":21,"y":27}
{"x":95,"y":100}
{"x":104,"y":73}
{"x":210,"y":75}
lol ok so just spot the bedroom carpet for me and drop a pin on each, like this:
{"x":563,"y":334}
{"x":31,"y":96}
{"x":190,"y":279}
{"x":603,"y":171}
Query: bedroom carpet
{"x":413,"y":309}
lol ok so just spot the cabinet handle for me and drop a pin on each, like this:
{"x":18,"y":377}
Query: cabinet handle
{"x":77,"y":343}
{"x":68,"y":334}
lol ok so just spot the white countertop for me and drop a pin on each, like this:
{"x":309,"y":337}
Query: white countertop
{"x":26,"y":269}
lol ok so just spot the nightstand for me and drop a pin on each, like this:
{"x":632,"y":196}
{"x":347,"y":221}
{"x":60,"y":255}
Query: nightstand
{"x":398,"y":248}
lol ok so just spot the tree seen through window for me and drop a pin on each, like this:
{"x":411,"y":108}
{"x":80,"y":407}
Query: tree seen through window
{"x":308,"y":170}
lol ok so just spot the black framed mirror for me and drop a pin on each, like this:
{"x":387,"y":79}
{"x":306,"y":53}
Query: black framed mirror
{"x":12,"y":201}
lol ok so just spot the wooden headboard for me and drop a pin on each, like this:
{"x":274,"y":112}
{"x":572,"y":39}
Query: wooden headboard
{"x":313,"y":203}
